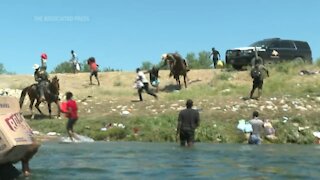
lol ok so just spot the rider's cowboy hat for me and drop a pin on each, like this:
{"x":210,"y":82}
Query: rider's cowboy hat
{"x":36,"y":66}
{"x":164,"y":56}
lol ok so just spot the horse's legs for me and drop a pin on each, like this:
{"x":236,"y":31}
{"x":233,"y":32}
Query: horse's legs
{"x":178,"y":82}
{"x":49,"y":108}
{"x":31,"y":108}
{"x":58,"y":108}
{"x":185,"y":82}
{"x":37,"y":106}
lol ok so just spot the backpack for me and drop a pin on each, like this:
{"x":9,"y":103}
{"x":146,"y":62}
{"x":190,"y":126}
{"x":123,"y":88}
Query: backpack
{"x":255,"y":73}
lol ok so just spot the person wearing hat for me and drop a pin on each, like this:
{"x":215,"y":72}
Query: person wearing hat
{"x":188,"y":121}
{"x":42,"y":79}
{"x":171,"y":59}
{"x":215,"y":57}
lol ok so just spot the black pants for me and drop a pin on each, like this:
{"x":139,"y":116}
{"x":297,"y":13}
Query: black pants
{"x":257,"y":83}
{"x":95,"y":74}
{"x":215,"y":61}
{"x":70,"y":124}
{"x":42,"y":88}
{"x":8,"y":171}
{"x":146,"y":88}
{"x":186,"y":136}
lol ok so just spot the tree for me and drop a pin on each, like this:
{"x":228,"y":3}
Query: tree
{"x":201,"y":62}
{"x":192,"y":61}
{"x":146,"y":65}
{"x":84,"y":66}
{"x":204,"y":60}
{"x":2,"y":69}
{"x":109,"y":69}
{"x":64,"y":67}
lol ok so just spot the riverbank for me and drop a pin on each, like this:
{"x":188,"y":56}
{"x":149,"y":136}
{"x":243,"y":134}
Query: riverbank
{"x":290,"y":100}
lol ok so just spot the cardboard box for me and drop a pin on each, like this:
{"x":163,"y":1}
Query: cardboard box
{"x":16,"y":136}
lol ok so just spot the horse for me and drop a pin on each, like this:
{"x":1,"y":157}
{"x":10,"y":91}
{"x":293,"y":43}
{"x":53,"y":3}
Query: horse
{"x":51,"y":95}
{"x":177,"y":68}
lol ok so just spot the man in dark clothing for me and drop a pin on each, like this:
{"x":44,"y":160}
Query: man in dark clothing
{"x":154,"y":77}
{"x":258,"y":73}
{"x":215,"y":56}
{"x":188,"y":121}
{"x":41,"y":77}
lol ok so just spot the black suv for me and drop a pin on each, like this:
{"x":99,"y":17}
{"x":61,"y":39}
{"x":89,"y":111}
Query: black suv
{"x":270,"y":51}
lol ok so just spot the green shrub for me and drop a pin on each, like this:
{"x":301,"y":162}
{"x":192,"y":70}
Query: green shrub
{"x":116,"y":133}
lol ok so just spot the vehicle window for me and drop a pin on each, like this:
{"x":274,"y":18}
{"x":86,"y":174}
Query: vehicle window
{"x":263,"y":43}
{"x":259,"y":44}
{"x":274,"y":44}
{"x":302,"y":45}
{"x":286,"y":44}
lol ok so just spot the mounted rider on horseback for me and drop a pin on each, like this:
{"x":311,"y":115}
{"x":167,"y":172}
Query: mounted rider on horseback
{"x":171,"y":59}
{"x":42,"y":78}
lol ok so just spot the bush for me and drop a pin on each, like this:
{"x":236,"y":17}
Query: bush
{"x":65,"y":67}
{"x":117,"y":133}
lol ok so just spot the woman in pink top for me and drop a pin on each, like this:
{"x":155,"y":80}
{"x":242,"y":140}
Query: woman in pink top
{"x":93,"y":69}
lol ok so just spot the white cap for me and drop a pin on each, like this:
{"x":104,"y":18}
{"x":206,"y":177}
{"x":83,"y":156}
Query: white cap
{"x":164,"y":56}
{"x":36,"y":66}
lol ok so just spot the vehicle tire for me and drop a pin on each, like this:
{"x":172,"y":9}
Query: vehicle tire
{"x":299,"y":60}
{"x":254,"y":60}
{"x":237,"y":67}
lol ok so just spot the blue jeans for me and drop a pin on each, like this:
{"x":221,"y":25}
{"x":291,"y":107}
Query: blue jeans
{"x":254,"y":139}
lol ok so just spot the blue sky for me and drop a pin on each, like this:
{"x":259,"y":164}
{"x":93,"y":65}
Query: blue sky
{"x":121,"y":34}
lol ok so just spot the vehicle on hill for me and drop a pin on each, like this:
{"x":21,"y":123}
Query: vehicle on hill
{"x":270,"y":51}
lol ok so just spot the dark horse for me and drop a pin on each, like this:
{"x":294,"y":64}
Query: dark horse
{"x":51,"y":95}
{"x":177,"y":67}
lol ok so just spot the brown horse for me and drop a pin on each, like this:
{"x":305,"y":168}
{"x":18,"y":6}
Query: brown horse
{"x":177,"y":67}
{"x":51,"y":95}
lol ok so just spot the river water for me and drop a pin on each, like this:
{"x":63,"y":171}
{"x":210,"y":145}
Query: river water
{"x":135,"y":160}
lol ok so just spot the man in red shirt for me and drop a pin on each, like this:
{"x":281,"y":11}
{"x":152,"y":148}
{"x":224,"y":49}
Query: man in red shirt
{"x":71,"y":113}
{"x":93,"y":69}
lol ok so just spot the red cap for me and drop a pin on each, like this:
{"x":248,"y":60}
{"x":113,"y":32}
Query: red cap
{"x":44,"y":56}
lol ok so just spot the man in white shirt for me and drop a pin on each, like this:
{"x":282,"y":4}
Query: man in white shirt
{"x":74,"y":62}
{"x":141,"y":77}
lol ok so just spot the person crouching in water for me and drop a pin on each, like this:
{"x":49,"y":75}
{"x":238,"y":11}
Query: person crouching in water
{"x":141,"y":79}
{"x":72,"y":114}
{"x":188,"y":121}
{"x":257,"y":128}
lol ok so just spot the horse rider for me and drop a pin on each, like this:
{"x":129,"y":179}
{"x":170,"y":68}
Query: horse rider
{"x":171,"y":59}
{"x":42,"y":78}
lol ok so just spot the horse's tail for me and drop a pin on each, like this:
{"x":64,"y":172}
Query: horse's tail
{"x":23,"y":95}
